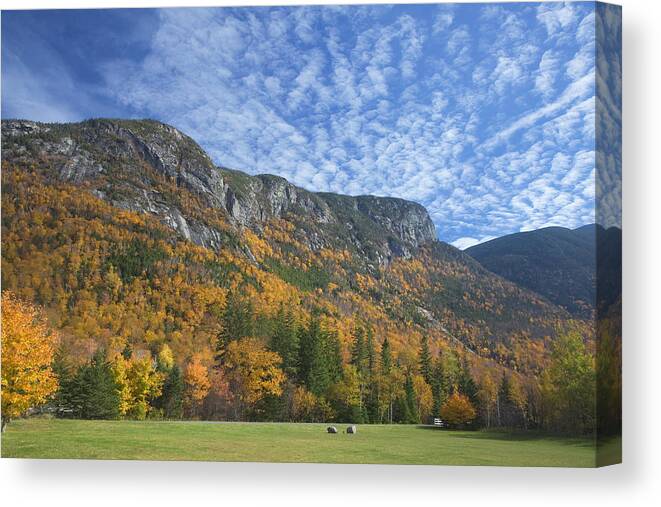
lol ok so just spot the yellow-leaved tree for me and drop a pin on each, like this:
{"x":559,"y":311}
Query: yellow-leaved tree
{"x":27,"y":353}
{"x":138,"y":384}
{"x":303,"y":405}
{"x":423,"y":396}
{"x":196,"y":384}
{"x":488,"y":394}
{"x":253,"y":371}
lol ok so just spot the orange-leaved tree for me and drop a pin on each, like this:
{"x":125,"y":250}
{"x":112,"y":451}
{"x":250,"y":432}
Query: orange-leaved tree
{"x":458,"y":410}
{"x":27,"y":353}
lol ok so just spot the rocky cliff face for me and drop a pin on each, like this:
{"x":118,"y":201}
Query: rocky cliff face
{"x":120,"y":161}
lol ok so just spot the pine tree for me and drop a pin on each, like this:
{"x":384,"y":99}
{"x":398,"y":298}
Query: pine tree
{"x":502,"y":402}
{"x":320,"y":357}
{"x":171,"y":400}
{"x":370,"y":350}
{"x":333,"y":349}
{"x":425,"y":360}
{"x":438,"y":385}
{"x":285,"y":341}
{"x":371,"y":404}
{"x":359,"y":350}
{"x":386,"y":357}
{"x":411,"y":412}
{"x":468,"y":387}
{"x":308,"y":337}
{"x":237,"y":321}
{"x":92,"y":392}
{"x":363,"y":357}
{"x":389,"y":379}
{"x":64,"y":372}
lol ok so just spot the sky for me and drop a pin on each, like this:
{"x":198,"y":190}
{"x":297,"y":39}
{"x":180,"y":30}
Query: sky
{"x":483,"y":113}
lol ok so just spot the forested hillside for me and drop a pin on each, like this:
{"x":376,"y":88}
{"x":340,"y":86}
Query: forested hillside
{"x":558,"y":263}
{"x":203,"y":292}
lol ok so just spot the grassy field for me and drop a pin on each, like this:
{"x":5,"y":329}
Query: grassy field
{"x":282,"y":442}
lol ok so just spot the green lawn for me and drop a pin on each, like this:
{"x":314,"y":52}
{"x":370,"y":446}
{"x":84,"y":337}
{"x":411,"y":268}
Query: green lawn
{"x":282,"y":442}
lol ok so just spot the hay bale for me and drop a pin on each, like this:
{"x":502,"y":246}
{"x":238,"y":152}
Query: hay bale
{"x":331,"y":429}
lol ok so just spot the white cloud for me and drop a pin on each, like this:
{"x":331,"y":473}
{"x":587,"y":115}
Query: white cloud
{"x":466,"y":242}
{"x":547,"y":72}
{"x":443,"y":22}
{"x":556,"y":16}
{"x":482,"y":126}
{"x":508,"y":72}
{"x":576,"y":90}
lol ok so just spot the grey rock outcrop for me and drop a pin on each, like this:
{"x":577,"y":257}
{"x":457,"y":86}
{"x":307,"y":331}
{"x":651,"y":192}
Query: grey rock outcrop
{"x":118,"y":161}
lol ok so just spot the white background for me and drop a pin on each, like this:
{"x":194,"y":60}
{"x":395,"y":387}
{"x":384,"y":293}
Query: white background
{"x":636,"y":482}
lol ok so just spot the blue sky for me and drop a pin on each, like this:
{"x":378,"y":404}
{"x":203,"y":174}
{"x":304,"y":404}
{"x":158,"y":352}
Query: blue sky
{"x":485,"y":114}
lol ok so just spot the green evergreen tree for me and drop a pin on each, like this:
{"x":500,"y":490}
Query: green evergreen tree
{"x":172,"y":396}
{"x":411,"y":412}
{"x":400,"y":412}
{"x":237,"y":320}
{"x":425,"y":360}
{"x":372,"y":403}
{"x":439,"y":386}
{"x":385,"y":375}
{"x":503,"y":409}
{"x":468,"y":387}
{"x":92,"y":392}
{"x":320,"y":358}
{"x":333,"y":352}
{"x":370,"y":350}
{"x":359,"y":350}
{"x":285,"y":341}
{"x":308,"y":348}
{"x":64,"y":371}
{"x":386,"y":357}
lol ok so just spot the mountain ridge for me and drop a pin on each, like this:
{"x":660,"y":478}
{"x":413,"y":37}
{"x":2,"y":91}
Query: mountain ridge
{"x":248,"y":200}
{"x":555,"y":262}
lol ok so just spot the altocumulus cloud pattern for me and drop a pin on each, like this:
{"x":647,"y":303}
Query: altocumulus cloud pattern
{"x":485,"y":114}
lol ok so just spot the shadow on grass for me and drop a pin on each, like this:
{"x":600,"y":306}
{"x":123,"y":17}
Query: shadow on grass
{"x":514,"y":436}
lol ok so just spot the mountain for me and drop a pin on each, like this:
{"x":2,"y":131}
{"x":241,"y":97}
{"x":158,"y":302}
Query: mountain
{"x":557,"y":263}
{"x":128,"y":234}
{"x":123,"y":160}
{"x":609,"y":270}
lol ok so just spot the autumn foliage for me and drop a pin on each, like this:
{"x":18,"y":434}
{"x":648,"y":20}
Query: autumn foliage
{"x":253,"y":371}
{"x":197,"y":384}
{"x":267,"y":327}
{"x":458,"y":411}
{"x":27,"y":353}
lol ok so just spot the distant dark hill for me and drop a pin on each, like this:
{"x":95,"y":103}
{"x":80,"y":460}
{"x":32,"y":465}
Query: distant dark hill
{"x":609,"y":268}
{"x":557,"y":263}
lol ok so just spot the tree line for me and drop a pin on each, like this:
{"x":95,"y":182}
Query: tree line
{"x":298,"y":371}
